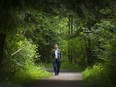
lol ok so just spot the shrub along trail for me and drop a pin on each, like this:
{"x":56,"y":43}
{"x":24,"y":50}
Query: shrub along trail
{"x":64,"y":79}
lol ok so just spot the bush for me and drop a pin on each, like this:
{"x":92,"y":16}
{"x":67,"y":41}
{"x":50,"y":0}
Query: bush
{"x":111,"y":64}
{"x":96,"y":76}
{"x":19,"y":62}
{"x":103,"y":75}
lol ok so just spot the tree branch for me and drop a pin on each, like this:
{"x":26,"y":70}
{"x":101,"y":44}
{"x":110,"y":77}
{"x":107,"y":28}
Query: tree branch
{"x":17,"y":51}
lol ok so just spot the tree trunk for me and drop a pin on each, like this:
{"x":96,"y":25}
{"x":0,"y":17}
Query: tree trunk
{"x":89,"y":53}
{"x":71,"y":26}
{"x":69,"y":56}
{"x":70,"y":31}
{"x":2,"y":44}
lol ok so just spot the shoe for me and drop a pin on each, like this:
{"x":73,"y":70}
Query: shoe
{"x":55,"y":74}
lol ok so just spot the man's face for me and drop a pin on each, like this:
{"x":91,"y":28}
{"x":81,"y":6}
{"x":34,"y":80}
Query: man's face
{"x":56,"y":46}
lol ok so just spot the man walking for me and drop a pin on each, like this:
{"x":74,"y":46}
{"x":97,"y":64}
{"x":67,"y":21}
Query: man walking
{"x":56,"y":55}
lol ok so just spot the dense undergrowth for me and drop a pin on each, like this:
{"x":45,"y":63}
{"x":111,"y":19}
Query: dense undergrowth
{"x":20,"y":64}
{"x":103,"y":74}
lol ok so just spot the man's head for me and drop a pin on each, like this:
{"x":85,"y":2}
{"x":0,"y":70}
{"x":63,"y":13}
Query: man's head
{"x":55,"y":46}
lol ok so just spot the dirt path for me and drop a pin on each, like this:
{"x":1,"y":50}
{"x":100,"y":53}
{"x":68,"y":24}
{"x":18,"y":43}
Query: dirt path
{"x":64,"y":79}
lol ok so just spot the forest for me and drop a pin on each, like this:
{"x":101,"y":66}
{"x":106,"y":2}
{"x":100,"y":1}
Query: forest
{"x":85,"y":31}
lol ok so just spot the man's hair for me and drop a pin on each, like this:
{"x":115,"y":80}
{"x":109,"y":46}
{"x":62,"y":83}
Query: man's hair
{"x":55,"y":45}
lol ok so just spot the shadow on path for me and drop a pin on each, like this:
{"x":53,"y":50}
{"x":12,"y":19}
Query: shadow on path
{"x":65,"y":79}
{"x":53,"y":83}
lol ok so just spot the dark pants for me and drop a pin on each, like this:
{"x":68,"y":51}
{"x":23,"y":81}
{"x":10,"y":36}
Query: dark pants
{"x":56,"y":65}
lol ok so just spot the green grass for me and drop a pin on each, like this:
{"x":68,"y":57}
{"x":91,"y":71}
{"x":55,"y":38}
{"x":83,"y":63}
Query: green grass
{"x":30,"y":74}
{"x":97,"y":76}
{"x":71,"y":66}
{"x":24,"y":75}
